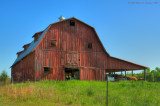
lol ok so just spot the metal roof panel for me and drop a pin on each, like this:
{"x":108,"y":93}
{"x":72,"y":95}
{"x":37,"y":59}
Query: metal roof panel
{"x":30,"y":48}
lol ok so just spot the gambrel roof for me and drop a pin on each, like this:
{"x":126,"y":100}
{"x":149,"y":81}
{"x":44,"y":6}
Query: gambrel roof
{"x":34,"y":44}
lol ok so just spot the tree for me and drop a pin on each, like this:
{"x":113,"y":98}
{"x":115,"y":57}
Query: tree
{"x":152,"y":77}
{"x":157,"y":69}
{"x":3,"y":76}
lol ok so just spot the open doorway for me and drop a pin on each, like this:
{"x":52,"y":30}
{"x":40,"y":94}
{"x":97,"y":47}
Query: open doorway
{"x":71,"y":74}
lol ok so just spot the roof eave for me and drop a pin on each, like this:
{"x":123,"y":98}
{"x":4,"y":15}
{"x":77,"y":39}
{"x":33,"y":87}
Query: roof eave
{"x":144,"y":67}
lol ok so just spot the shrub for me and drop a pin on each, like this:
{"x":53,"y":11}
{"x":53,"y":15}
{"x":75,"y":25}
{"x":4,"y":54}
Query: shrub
{"x":3,"y":76}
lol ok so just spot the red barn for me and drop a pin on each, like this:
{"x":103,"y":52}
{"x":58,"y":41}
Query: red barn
{"x":67,"y":49}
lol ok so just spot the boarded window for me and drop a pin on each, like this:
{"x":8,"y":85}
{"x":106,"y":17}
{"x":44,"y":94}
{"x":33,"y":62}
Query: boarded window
{"x":53,"y":43}
{"x":46,"y":70}
{"x":89,"y":45}
{"x":72,"y":23}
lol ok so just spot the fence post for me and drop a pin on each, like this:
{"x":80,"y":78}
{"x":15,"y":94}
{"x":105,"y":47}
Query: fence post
{"x":107,"y":93}
{"x":144,"y":74}
{"x":125,"y":75}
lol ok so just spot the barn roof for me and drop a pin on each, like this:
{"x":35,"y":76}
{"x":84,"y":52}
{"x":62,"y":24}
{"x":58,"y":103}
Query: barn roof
{"x":37,"y":33}
{"x":30,"y":48}
{"x":90,"y":27}
{"x":136,"y":66}
{"x":33,"y":44}
{"x":20,"y":51}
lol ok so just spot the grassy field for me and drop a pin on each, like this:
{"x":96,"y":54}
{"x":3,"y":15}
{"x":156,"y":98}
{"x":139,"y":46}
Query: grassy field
{"x":123,"y":93}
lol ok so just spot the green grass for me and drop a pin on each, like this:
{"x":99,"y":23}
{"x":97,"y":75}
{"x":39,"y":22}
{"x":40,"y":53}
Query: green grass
{"x":123,"y":93}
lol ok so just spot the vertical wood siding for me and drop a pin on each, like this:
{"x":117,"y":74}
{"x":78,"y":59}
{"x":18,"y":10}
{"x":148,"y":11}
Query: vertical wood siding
{"x":24,"y":70}
{"x":72,"y":42}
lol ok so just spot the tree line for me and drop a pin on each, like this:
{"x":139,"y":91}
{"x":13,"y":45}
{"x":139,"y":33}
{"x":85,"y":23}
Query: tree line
{"x":151,"y":75}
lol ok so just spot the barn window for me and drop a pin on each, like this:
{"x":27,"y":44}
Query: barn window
{"x":46,"y":70}
{"x":53,"y":43}
{"x":72,"y":23}
{"x":90,"y":45}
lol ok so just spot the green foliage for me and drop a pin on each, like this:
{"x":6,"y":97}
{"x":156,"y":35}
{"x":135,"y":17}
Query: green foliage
{"x":3,"y":76}
{"x":151,"y":76}
{"x":86,"y":93}
{"x":90,"y":91}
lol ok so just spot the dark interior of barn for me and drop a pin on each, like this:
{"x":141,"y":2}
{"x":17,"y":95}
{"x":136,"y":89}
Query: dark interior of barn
{"x":71,"y":74}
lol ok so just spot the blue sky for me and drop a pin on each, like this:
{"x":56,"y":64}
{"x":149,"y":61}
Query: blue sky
{"x":127,"y":31}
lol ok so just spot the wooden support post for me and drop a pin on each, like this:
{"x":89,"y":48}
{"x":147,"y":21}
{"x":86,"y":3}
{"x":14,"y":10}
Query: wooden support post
{"x":114,"y":75}
{"x":104,"y":75}
{"x":125,"y":75}
{"x":132,"y":73}
{"x":144,"y":74}
{"x":121,"y":75}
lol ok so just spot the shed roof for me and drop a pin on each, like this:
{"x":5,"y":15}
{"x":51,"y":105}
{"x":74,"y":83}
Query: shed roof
{"x":134,"y":66}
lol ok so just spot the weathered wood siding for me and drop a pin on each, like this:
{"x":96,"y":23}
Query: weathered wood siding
{"x":24,"y":70}
{"x":72,"y":47}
